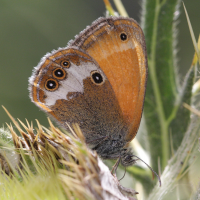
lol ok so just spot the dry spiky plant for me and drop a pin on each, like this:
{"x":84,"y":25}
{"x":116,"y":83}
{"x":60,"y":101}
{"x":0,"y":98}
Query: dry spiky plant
{"x":81,"y":172}
{"x":171,"y":133}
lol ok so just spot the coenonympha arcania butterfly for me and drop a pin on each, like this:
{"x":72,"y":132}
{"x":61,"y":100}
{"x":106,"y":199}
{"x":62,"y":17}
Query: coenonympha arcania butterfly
{"x":99,"y":82}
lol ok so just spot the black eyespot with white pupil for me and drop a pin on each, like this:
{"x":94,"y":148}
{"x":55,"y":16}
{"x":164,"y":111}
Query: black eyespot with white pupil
{"x":59,"y":73}
{"x":51,"y":85}
{"x":65,"y":63}
{"x":123,"y":36}
{"x":96,"y":77}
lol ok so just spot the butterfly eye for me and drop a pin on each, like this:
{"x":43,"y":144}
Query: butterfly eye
{"x":51,"y":85}
{"x":96,"y":78}
{"x":59,"y":73}
{"x":65,"y":63}
{"x":123,"y":36}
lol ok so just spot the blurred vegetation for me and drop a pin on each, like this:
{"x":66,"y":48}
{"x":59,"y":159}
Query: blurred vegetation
{"x":30,"y":29}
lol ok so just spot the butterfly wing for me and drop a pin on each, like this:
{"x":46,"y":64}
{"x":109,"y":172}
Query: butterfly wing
{"x":71,"y":87}
{"x":118,"y":46}
{"x":98,"y":81}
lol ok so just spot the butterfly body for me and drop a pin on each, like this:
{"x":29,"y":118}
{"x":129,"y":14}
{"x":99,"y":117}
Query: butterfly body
{"x":99,"y":82}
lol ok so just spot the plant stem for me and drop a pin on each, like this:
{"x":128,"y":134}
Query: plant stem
{"x":164,"y":127}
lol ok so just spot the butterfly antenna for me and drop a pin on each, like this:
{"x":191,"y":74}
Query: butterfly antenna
{"x":153,"y":172}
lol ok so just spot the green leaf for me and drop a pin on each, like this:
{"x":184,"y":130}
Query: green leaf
{"x":162,"y":89}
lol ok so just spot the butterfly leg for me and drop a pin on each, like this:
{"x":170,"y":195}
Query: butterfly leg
{"x":114,"y":169}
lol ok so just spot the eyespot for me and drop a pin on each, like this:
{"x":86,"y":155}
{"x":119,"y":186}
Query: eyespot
{"x":59,"y":73}
{"x":123,"y":36}
{"x":96,"y":78}
{"x":51,"y":85}
{"x":65,"y":63}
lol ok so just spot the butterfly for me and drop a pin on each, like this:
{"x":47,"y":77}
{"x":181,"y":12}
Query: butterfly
{"x":98,"y":81}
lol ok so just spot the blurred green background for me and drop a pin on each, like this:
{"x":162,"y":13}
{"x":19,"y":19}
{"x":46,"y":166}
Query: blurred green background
{"x":29,"y":29}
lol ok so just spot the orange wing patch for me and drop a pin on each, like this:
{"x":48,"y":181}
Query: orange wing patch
{"x":124,"y":64}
